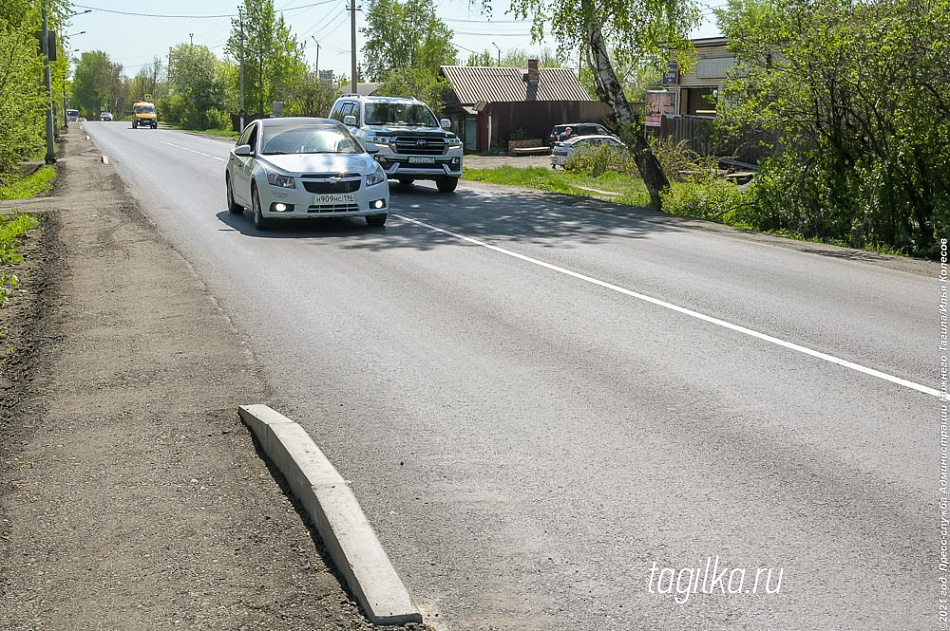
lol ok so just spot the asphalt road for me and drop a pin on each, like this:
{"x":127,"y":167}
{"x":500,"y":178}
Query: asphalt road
{"x":543,"y":403}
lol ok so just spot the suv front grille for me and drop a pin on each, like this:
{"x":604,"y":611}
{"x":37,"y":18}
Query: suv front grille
{"x":420,"y":145}
{"x":324,"y":186}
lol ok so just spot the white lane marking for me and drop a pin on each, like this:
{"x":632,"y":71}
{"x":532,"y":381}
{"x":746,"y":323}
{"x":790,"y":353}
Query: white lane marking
{"x":207,"y":155}
{"x":689,"y":312}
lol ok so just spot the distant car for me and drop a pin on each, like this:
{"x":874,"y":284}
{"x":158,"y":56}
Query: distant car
{"x":579,"y":129}
{"x":82,"y":119}
{"x":105,"y":116}
{"x":564,"y":152}
{"x":72,"y":116}
{"x":300,"y":168}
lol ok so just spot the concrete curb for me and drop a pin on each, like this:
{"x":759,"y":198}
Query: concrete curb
{"x":327,"y":498}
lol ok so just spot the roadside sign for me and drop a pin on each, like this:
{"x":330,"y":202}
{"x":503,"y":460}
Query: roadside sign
{"x":148,"y":97}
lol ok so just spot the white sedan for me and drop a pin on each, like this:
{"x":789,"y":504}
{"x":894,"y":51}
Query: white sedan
{"x":302,"y":168}
{"x":563,"y":152}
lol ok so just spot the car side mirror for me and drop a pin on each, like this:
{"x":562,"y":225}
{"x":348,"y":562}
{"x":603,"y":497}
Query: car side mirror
{"x":372,"y":148}
{"x":445,"y":123}
{"x":349,"y":120}
{"x":242,"y":151}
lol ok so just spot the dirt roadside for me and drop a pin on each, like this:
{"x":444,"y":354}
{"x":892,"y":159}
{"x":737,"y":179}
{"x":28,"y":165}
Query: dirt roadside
{"x":132,"y":497}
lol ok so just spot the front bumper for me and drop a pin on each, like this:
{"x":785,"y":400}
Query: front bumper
{"x":448,"y":164}
{"x":300,"y":204}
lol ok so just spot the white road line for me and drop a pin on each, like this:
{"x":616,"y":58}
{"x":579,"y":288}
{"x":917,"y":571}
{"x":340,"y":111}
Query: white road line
{"x":207,"y":155}
{"x":689,"y":312}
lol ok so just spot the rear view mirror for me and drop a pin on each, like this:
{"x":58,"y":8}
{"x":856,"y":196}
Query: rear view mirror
{"x":372,"y":148}
{"x":349,"y":120}
{"x":445,"y":123}
{"x":242,"y":151}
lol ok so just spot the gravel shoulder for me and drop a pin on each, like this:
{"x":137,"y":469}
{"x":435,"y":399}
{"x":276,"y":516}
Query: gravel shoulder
{"x":132,"y":496}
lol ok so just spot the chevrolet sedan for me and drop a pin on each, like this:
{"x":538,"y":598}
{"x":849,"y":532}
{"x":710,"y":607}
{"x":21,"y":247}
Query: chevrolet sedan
{"x":304,"y":168}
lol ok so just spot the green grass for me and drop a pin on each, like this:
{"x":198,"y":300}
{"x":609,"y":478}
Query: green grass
{"x":631,"y":191}
{"x":29,"y":186}
{"x":226,"y":133}
{"x":624,"y":189}
{"x":11,"y":230}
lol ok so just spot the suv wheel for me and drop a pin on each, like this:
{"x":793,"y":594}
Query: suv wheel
{"x":447,"y":184}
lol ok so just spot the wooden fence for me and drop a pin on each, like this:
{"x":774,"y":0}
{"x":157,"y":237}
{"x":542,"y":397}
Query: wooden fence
{"x":700,"y":134}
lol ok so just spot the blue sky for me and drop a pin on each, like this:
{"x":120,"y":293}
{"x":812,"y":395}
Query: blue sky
{"x":134,"y":41}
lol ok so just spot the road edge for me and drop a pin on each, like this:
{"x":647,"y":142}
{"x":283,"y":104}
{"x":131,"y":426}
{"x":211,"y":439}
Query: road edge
{"x":331,"y":504}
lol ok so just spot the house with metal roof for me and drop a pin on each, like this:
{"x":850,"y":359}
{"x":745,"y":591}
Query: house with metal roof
{"x":490,"y":105}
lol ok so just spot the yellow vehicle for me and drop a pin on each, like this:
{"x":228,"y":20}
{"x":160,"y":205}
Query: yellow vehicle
{"x":144,"y":114}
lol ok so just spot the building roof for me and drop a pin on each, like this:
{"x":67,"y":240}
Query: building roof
{"x":493,"y":84}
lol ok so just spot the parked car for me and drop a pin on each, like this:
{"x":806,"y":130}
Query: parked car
{"x":413,"y":144}
{"x":144,"y":115}
{"x":564,"y":152}
{"x":105,"y":116}
{"x":579,"y":129}
{"x":300,"y":168}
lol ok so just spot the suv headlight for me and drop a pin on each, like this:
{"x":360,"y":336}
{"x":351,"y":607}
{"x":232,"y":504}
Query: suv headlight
{"x":453,"y":142}
{"x":379,"y":140}
{"x":376,"y":177}
{"x":276,"y":179}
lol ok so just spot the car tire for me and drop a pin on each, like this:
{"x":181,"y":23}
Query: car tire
{"x":406,"y":181}
{"x":376,"y":220}
{"x":260,"y":221}
{"x":447,"y":184}
{"x":234,"y":209}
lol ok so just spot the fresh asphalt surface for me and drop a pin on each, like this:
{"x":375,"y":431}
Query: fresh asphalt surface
{"x":529,"y":435}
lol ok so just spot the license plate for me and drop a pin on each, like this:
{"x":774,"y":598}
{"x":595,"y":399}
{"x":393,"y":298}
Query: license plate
{"x":333,"y":199}
{"x":422,"y":160}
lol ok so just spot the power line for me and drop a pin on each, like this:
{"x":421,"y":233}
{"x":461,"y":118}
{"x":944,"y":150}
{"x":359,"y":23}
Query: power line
{"x":191,"y":17}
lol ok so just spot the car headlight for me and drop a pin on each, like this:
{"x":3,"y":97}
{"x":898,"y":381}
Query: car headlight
{"x":376,"y":177}
{"x":453,"y":142}
{"x":379,"y":140}
{"x":276,"y":179}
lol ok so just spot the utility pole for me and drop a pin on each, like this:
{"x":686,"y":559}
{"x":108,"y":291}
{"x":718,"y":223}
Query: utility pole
{"x":50,"y":131}
{"x":499,"y":52}
{"x":353,"y":80}
{"x":191,"y":37}
{"x":241,"y":18}
{"x":316,"y":61}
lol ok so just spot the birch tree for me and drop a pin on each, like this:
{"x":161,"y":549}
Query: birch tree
{"x":629,"y":31}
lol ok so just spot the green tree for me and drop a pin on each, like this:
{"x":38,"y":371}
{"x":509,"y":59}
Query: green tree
{"x":196,"y":91}
{"x":97,"y":83}
{"x":273,"y":57}
{"x":624,"y":30}
{"x":22,"y":99}
{"x":149,"y":80}
{"x":859,"y":94}
{"x":420,"y":83}
{"x":402,"y":35}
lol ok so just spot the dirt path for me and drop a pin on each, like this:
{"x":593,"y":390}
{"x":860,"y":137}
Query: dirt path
{"x":132,"y":497}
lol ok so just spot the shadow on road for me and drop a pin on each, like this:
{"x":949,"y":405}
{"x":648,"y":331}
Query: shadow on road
{"x":496,"y":214}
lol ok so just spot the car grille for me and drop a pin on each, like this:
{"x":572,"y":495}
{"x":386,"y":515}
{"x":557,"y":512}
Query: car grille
{"x":430,"y":146}
{"x":345,"y":186}
{"x":333,"y":208}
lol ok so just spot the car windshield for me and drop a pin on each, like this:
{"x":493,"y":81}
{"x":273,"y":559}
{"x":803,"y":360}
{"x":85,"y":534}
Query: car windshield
{"x":144,"y":109}
{"x":396,"y":113}
{"x":310,"y":139}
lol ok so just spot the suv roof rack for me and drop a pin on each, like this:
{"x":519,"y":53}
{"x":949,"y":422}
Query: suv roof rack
{"x":357,"y":94}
